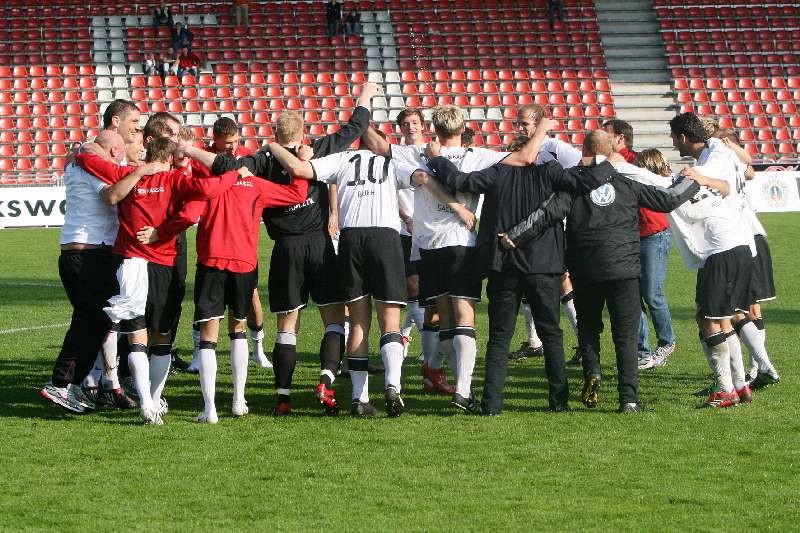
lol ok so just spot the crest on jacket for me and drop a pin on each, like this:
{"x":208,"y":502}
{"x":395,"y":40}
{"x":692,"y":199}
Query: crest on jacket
{"x":603,"y":195}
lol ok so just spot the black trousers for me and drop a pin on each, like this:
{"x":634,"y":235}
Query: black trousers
{"x":624,"y":309}
{"x":505,"y":290}
{"x":89,"y":279}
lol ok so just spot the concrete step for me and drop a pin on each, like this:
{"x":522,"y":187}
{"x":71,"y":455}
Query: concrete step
{"x":648,"y":140}
{"x":635,"y":114}
{"x":635,"y":63}
{"x":630,"y":26}
{"x":631,"y":39}
{"x":626,"y":16}
{"x":652,"y":127}
{"x":643,"y":75}
{"x":641,"y":89}
{"x":622,"y":5}
{"x":640,"y":51}
{"x":650,"y":102}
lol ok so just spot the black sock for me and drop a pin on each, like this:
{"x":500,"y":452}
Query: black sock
{"x":284,"y":357}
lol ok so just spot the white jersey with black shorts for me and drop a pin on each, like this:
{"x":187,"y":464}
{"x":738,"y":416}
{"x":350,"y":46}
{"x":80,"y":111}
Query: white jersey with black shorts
{"x":370,"y":259}
{"x":441,"y":237}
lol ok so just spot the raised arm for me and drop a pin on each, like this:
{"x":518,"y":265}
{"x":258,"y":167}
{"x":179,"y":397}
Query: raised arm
{"x":375,"y":143}
{"x":530,"y":150}
{"x":446,"y":173}
{"x":294,"y":166}
{"x":114,"y":194}
{"x":552,"y":211}
{"x":694,"y":173}
{"x":353,"y":129}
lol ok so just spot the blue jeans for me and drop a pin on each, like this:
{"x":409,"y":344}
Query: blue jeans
{"x":653,"y":253}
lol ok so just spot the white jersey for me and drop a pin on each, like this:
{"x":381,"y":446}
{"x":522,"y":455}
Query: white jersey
{"x":405,"y":202}
{"x":562,"y":153}
{"x":88,"y":219}
{"x":367,"y":186}
{"x":703,"y":226}
{"x":435,"y":224}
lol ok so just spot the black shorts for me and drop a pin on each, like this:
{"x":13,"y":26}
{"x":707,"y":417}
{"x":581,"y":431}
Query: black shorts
{"x":216,"y":289}
{"x":762,"y":284}
{"x":302,"y":265}
{"x":370,"y":262}
{"x":449,"y":271}
{"x":163,"y":301}
{"x":411,"y":266}
{"x":723,"y":284}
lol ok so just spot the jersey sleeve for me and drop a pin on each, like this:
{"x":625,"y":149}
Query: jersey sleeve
{"x":104,"y":170}
{"x":403,"y":153}
{"x":347,"y":134}
{"x":194,"y":188}
{"x":326,"y":168}
{"x":568,"y":156}
{"x":402,"y":174}
{"x":487,"y":158}
{"x":187,"y":216}
{"x":277,"y":195}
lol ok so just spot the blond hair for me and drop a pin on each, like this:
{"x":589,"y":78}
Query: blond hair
{"x":448,"y":121}
{"x":289,"y":127}
{"x":653,"y":160}
{"x":186,"y":133}
{"x":710,"y":125}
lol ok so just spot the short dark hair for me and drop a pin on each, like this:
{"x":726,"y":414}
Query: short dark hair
{"x":160,"y":149}
{"x":225,"y":127}
{"x":117,"y":108}
{"x":467,"y":136}
{"x":409,"y":111}
{"x":157,"y":125}
{"x":620,"y":127}
{"x":690,"y":125}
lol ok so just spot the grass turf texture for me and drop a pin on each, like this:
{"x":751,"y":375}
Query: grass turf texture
{"x":674,"y":467}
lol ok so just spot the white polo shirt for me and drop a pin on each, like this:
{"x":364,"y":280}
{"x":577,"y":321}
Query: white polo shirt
{"x":88,"y":219}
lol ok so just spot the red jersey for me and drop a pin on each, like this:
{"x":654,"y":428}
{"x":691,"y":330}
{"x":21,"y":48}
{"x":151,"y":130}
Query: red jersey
{"x":227,"y":237}
{"x":650,"y":222}
{"x":150,"y":201}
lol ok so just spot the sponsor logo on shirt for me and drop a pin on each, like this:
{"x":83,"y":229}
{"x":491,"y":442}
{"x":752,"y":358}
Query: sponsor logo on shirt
{"x":603,"y":195}
{"x":152,"y":190}
{"x":309,"y":201}
{"x":242,"y":183}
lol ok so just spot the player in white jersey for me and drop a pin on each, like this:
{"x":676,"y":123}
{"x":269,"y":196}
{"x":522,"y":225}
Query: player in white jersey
{"x":370,"y":259}
{"x":566,"y":155}
{"x":444,"y":242}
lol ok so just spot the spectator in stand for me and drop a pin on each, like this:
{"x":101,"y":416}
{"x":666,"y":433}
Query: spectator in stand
{"x":182,"y":37}
{"x":167,"y":63}
{"x":555,"y":9}
{"x":188,"y":63}
{"x":162,"y":17}
{"x":241,"y":10}
{"x":149,"y":67}
{"x":333,"y":15}
{"x":352,"y":23}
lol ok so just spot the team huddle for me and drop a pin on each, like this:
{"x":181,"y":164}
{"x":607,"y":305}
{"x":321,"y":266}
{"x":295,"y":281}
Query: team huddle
{"x":393,"y":224}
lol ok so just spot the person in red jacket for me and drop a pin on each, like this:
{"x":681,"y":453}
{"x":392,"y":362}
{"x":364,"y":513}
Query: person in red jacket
{"x":227,"y":272}
{"x":655,"y":241}
{"x":146,"y":301}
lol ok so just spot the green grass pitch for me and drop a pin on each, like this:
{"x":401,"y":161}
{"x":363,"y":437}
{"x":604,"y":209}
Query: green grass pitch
{"x":673,"y":467}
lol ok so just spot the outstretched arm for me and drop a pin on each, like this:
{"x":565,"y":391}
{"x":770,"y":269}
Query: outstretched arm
{"x":352,"y":129}
{"x":117,"y":192}
{"x":695,"y":174}
{"x":421,"y":179}
{"x":296,"y":167}
{"x":530,"y":150}
{"x":665,"y":200}
{"x":552,"y":211}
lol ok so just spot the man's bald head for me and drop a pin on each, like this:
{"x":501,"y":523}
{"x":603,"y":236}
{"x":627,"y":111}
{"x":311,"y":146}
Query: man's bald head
{"x":112,"y":143}
{"x":597,"y":142}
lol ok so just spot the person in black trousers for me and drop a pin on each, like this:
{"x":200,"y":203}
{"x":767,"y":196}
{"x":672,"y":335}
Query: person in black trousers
{"x":533,"y":269}
{"x":603,"y":260}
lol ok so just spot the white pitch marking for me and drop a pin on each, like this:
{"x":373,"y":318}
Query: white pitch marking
{"x":17,"y":330}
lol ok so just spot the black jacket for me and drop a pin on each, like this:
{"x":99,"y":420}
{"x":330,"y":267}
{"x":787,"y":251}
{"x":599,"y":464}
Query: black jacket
{"x":311,"y":215}
{"x":603,"y":226}
{"x":510,"y":194}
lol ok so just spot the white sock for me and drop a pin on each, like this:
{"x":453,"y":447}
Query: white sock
{"x":239,"y":368}
{"x":737,"y":364}
{"x":110,"y":378}
{"x":466,"y":351}
{"x":751,"y":337}
{"x":259,"y":358}
{"x":720,"y":362}
{"x":140,"y":370}
{"x":360,"y":379}
{"x":392,"y":356}
{"x":159,"y":370}
{"x":430,"y":343}
{"x":208,"y":377}
{"x":568,"y":303}
{"x":445,"y":351}
{"x":533,"y":337}
{"x":92,"y":379}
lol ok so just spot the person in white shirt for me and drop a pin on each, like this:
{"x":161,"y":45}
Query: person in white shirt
{"x":370,"y":258}
{"x":87,"y":269}
{"x":528,"y":118}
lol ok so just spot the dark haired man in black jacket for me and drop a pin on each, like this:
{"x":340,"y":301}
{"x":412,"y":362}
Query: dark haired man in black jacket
{"x":603,"y":260}
{"x":534,"y":269}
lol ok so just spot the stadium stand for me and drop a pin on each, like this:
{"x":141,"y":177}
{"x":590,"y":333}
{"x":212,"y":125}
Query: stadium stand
{"x":62,"y":62}
{"x":739,"y":63}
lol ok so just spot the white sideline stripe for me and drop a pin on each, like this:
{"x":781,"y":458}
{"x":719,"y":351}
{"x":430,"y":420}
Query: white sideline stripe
{"x":28,"y":284}
{"x":17,"y":330}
